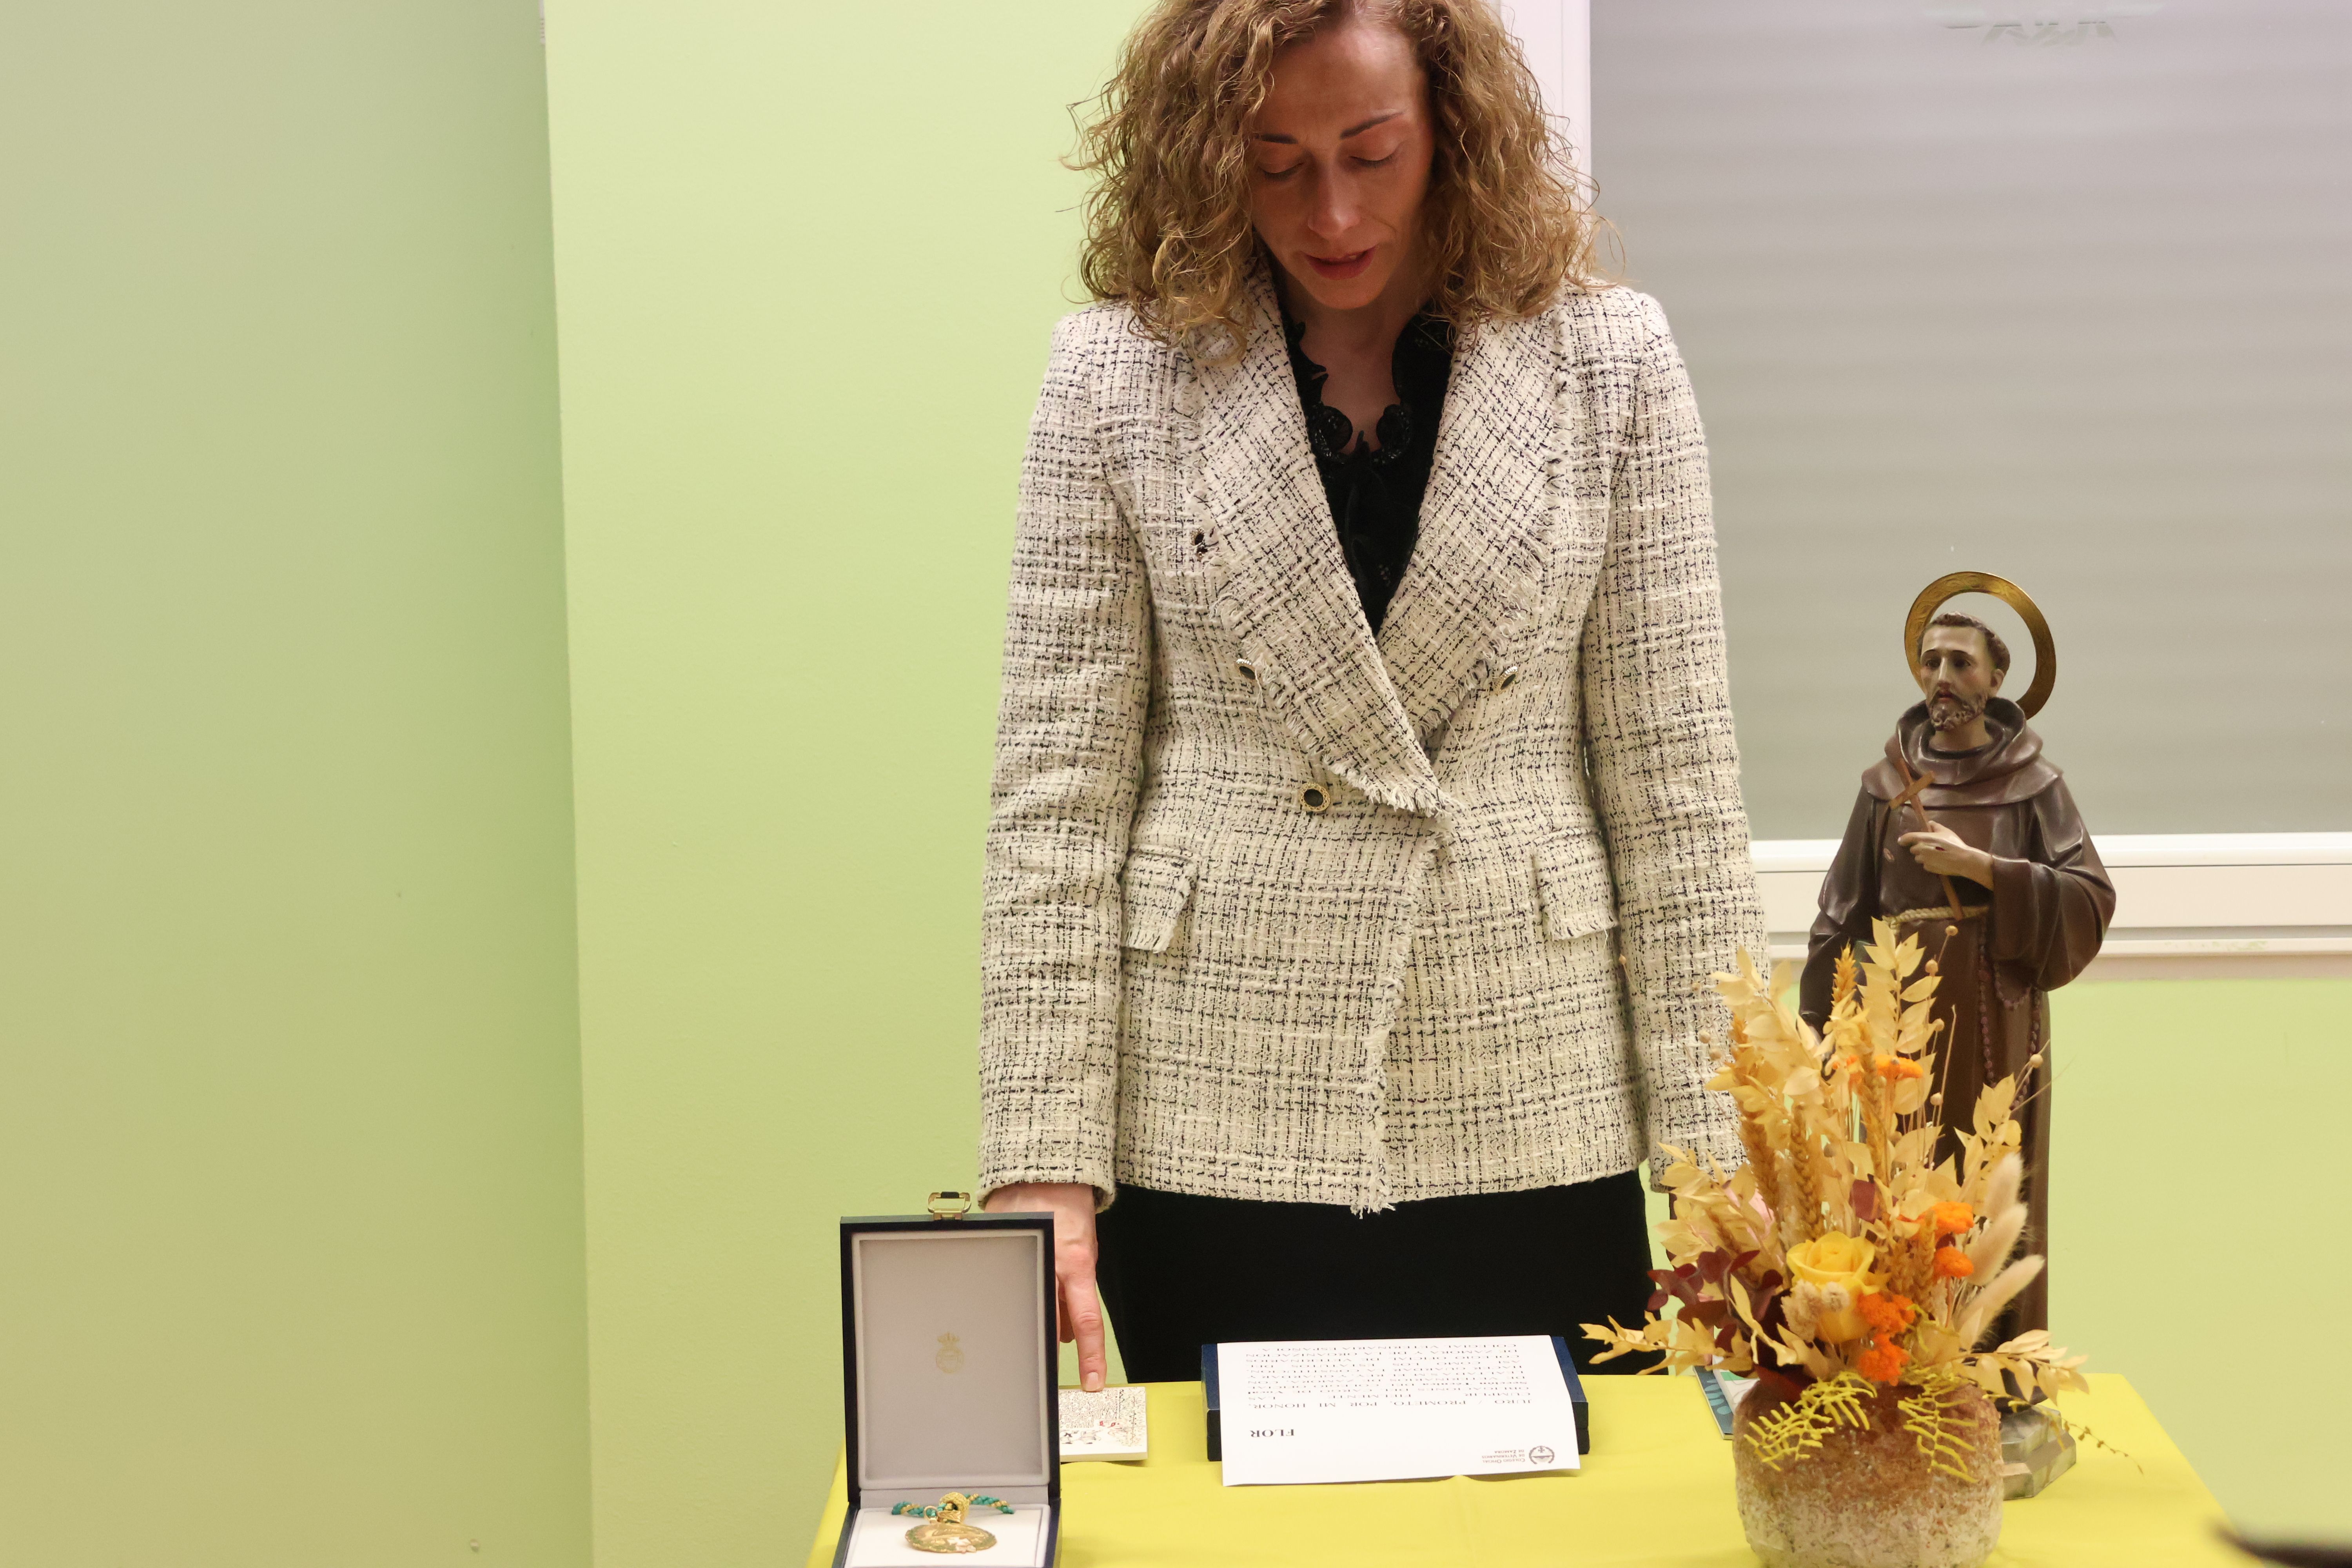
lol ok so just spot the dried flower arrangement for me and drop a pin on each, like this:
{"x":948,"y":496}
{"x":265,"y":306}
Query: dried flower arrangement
{"x":1843,"y":1255}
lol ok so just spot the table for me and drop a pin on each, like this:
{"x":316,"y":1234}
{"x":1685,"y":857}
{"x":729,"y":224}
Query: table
{"x":1655,"y":1490}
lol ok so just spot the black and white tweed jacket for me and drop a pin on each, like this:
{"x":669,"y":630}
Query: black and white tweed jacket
{"x":1275,"y":909}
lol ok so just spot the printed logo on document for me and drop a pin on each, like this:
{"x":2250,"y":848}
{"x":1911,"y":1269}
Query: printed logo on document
{"x":1538,"y":1456}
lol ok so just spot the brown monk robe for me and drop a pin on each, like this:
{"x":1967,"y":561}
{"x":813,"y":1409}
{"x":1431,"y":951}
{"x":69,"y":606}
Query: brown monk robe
{"x":2034,"y":929}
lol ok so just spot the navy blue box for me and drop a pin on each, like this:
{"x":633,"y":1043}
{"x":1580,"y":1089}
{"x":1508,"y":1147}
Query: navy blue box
{"x":950,"y":1369}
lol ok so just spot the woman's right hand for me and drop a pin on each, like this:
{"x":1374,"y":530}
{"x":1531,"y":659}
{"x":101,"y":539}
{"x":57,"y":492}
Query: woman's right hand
{"x":1072,"y":1205}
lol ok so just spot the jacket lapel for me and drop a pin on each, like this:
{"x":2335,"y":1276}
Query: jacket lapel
{"x":1470,"y":594}
{"x":1281,"y":584}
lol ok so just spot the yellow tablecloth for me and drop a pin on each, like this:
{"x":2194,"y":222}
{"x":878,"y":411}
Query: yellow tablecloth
{"x":1655,"y":1490}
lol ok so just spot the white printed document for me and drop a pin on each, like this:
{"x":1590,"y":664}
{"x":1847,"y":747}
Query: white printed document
{"x":1295,"y":1411}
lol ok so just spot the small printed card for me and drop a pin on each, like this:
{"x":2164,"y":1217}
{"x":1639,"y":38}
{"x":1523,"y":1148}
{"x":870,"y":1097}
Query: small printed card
{"x":1106,"y":1425}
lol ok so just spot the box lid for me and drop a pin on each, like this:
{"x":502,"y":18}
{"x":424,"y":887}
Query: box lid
{"x":949,"y":1359}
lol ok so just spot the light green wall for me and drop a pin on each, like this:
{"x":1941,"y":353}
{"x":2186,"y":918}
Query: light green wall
{"x":2196,"y":1147}
{"x":807,"y":258}
{"x":290,"y":1242}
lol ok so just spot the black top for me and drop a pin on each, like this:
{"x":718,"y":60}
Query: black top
{"x":1375,"y":495}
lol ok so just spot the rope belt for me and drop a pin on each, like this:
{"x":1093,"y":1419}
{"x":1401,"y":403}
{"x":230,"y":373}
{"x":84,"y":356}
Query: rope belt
{"x":1940,"y":912}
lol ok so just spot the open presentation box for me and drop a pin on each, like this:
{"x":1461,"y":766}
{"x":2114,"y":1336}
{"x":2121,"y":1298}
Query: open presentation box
{"x":948,"y":1383}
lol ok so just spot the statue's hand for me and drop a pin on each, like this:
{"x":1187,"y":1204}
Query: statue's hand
{"x":1943,"y":853}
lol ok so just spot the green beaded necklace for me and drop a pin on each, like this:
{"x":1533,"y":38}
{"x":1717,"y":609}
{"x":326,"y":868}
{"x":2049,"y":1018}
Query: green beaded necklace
{"x":932,"y":1509}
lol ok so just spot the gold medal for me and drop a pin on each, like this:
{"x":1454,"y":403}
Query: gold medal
{"x":944,"y":1535}
{"x":943,"y":1527}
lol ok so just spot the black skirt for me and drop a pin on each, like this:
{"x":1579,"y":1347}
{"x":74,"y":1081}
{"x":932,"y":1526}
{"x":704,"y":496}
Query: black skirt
{"x":1179,"y":1271}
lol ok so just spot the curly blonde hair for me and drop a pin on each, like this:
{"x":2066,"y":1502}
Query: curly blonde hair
{"x":1168,"y":227}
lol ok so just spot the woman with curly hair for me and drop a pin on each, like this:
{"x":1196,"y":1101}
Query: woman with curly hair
{"x":1366,"y":818}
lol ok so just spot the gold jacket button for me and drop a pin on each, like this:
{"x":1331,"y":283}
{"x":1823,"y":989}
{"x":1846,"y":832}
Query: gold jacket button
{"x":1314,"y":798}
{"x":1508,"y":679}
{"x":1246,"y":669}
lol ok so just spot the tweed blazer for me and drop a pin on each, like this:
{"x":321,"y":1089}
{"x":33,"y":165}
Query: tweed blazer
{"x":1275,"y":909}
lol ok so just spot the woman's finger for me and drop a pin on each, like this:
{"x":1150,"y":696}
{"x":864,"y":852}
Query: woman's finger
{"x":1082,"y":1321}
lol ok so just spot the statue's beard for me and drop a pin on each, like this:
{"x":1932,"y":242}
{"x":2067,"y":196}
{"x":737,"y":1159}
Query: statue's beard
{"x":1948,"y":712}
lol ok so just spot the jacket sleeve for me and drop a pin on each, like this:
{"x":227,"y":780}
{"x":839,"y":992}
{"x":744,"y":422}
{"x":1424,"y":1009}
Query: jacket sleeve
{"x":1849,"y":903}
{"x":1069,"y":744}
{"x":2050,"y":913}
{"x":1663,"y":763}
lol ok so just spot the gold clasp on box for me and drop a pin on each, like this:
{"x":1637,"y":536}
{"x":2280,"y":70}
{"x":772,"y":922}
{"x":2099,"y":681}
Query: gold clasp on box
{"x":949,"y":1206}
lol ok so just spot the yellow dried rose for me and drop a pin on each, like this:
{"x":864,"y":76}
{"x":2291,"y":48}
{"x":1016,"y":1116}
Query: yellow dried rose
{"x":1838,"y":1267}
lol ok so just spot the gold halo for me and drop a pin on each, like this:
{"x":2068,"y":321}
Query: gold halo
{"x":1936,"y":595}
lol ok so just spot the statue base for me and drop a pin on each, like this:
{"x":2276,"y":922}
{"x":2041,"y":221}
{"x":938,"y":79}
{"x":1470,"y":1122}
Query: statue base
{"x":2035,"y":1450}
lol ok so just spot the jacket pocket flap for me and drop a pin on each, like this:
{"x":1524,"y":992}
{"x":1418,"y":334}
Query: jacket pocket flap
{"x":1155,"y":887}
{"x":1572,"y":879}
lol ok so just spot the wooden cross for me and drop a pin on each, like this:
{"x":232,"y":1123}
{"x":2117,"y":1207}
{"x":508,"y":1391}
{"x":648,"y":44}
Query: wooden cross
{"x":1911,"y":787}
{"x":1910,"y":797}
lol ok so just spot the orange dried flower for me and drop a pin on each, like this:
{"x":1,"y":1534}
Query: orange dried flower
{"x":1889,"y":1314}
{"x":1893,"y":1069}
{"x":1882,"y":1363}
{"x":1953,"y":1218}
{"x":1951,"y":1263}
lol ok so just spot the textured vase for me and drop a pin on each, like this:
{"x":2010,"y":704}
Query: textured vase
{"x":1870,"y":1498}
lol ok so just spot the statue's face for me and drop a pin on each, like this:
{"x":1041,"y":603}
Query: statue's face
{"x":1955,"y":677}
